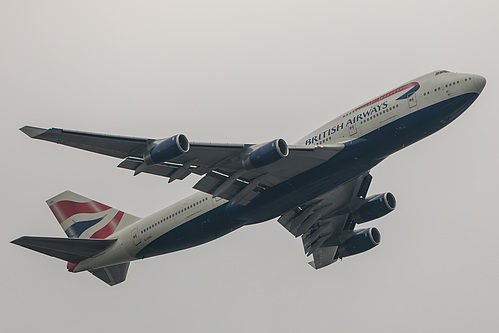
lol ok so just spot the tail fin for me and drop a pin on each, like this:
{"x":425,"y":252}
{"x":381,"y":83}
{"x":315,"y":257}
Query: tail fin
{"x":87,"y":223}
{"x":81,"y":217}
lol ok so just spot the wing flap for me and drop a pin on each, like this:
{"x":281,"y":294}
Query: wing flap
{"x":163,"y":169}
{"x":68,"y":249}
{"x":240,"y":190}
{"x":325,"y":230}
{"x":324,"y":256}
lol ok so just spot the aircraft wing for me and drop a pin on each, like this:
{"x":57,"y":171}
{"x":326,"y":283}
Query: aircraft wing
{"x":221,"y":163}
{"x":326,"y":222}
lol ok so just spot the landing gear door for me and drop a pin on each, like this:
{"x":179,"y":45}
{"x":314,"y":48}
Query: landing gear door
{"x":136,"y":237}
{"x":412,"y":101}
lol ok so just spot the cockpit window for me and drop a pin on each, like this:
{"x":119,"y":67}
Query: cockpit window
{"x":440,"y":72}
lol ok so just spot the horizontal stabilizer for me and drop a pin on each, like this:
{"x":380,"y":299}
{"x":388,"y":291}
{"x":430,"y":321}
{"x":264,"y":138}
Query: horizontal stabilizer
{"x":112,"y":274}
{"x":68,"y":249}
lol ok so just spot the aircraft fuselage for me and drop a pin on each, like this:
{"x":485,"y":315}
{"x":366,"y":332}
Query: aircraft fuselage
{"x":371,"y":132}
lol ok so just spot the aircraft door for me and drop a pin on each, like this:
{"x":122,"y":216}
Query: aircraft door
{"x":412,"y":101}
{"x":136,"y":237}
{"x":352,"y":129}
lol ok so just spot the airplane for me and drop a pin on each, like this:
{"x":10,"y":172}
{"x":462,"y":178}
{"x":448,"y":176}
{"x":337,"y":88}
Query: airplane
{"x":317,"y":188}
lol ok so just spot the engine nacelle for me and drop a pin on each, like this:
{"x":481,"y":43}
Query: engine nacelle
{"x":362,"y":241}
{"x":167,"y":149}
{"x":266,"y":154}
{"x":375,"y":207}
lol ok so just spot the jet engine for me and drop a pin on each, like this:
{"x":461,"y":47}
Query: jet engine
{"x":363,"y":240}
{"x":167,"y":149}
{"x":375,"y":207}
{"x":266,"y":154}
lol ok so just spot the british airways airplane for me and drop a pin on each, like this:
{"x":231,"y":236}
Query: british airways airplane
{"x":318,"y":187}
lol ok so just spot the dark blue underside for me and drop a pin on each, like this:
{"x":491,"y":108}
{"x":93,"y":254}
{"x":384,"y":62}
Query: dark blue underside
{"x":202,"y":229}
{"x":359,"y":156}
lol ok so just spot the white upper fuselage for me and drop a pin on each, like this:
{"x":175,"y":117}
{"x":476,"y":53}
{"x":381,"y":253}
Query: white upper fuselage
{"x":135,"y":237}
{"x":433,"y":88}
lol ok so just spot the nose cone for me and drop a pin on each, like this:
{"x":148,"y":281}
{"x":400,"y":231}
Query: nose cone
{"x":479,"y":82}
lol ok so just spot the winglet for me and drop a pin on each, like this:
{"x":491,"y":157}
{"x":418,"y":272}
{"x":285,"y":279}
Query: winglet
{"x":32,"y":132}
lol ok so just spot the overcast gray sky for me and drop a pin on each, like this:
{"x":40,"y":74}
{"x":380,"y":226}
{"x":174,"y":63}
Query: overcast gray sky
{"x":248,"y":71}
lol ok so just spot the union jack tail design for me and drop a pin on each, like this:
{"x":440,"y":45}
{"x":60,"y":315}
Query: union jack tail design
{"x":81,"y":217}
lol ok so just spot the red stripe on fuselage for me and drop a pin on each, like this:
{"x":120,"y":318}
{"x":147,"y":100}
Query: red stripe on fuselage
{"x":391,"y":93}
{"x":65,"y":209}
{"x":109,"y":228}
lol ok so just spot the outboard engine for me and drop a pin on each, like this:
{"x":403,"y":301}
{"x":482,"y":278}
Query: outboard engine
{"x":167,"y":149}
{"x":375,"y":207}
{"x":362,"y":241}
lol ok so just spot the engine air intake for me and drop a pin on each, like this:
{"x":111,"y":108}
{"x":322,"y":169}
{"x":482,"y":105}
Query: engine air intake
{"x":375,"y":207}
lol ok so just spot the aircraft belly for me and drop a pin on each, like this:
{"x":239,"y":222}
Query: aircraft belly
{"x":202,"y":229}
